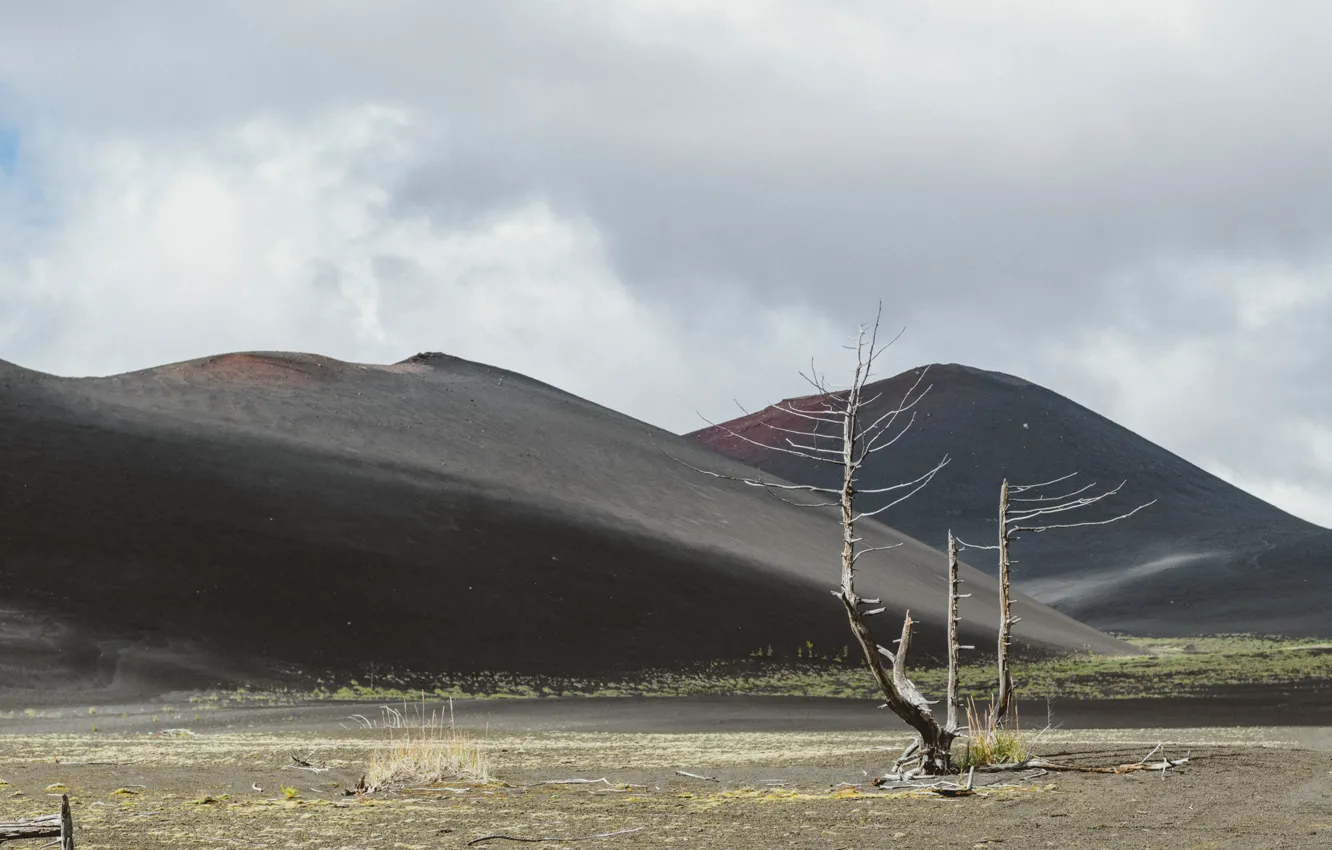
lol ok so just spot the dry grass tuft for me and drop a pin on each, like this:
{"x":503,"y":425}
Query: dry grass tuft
{"x":425,"y":749}
{"x":988,"y":743}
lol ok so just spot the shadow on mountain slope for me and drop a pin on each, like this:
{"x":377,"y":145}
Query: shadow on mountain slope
{"x":281,"y":515}
{"x":1206,"y":558}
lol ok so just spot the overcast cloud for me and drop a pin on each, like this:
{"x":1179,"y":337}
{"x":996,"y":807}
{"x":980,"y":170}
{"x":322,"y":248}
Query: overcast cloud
{"x":665,"y":206}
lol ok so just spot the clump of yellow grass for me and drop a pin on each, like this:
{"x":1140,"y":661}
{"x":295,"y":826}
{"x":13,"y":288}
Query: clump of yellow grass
{"x":424,"y":749}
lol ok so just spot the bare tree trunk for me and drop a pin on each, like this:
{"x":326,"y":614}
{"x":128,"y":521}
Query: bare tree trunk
{"x":858,"y":441}
{"x":953,"y":582}
{"x":1006,"y":620}
{"x":899,"y":693}
{"x":901,"y":696}
{"x":1028,"y":517}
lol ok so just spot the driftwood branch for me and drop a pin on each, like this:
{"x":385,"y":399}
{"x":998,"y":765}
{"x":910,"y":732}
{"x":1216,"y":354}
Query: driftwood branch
{"x":696,"y":776}
{"x":46,"y":826}
{"x":602,"y":781}
{"x":502,"y":837}
{"x":299,"y":763}
{"x":1033,"y":763}
{"x":1038,"y":763}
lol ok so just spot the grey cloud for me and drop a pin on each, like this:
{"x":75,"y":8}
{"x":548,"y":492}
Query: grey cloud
{"x":1019,"y":184}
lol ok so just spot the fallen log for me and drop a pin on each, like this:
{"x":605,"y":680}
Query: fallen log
{"x":46,"y":826}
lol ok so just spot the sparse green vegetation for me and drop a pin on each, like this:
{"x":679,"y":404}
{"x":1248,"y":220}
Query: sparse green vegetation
{"x":1167,"y":667}
{"x":988,"y":743}
{"x":1171,"y":667}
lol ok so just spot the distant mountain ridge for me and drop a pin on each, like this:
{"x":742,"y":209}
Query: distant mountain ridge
{"x":277,"y":514}
{"x":1206,"y":558}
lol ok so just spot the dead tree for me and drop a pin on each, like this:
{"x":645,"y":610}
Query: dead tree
{"x":953,"y":596}
{"x":1019,"y":514}
{"x":835,"y":433}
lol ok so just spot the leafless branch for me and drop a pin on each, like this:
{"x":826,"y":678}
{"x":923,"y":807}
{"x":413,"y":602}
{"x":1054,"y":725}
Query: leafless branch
{"x":886,"y":420}
{"x":751,"y":482}
{"x":870,"y":549}
{"x":767,"y":447}
{"x":812,"y":433}
{"x":874,"y":446}
{"x":794,"y":445}
{"x":814,"y":379}
{"x":919,"y":482}
{"x":904,"y":485}
{"x":1021,"y":514}
{"x":1039,"y":528}
{"x":867,"y":402}
{"x":965,"y":545}
{"x":832,"y":416}
{"x":1055,"y":498}
{"x":1022,"y":488}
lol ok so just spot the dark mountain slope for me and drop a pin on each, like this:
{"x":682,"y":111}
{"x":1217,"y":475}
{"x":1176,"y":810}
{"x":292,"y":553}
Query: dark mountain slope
{"x":1207,"y":557}
{"x":277,"y":514}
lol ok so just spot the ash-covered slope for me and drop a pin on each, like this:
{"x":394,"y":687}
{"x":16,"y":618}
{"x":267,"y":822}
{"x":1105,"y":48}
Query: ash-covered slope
{"x":1206,"y":558}
{"x":257,"y":514}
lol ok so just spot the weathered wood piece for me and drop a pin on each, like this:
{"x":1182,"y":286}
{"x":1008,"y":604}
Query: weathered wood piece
{"x":46,"y":826}
{"x":66,"y":824}
{"x":59,"y":826}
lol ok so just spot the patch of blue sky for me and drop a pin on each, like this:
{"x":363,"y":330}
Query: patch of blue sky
{"x":9,"y":150}
{"x":21,"y":185}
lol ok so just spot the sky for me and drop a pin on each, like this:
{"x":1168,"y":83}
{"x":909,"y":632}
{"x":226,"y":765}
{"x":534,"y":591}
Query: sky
{"x":670,"y":207}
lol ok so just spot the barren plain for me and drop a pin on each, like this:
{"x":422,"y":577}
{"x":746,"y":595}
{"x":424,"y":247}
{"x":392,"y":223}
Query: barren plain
{"x":179,"y":775}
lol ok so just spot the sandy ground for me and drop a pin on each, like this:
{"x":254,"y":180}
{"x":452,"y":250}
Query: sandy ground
{"x":149,"y":785}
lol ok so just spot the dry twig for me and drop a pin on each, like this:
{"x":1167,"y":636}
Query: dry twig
{"x":502,"y":837}
{"x":602,"y":781}
{"x":696,"y":776}
{"x":298,"y":763}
